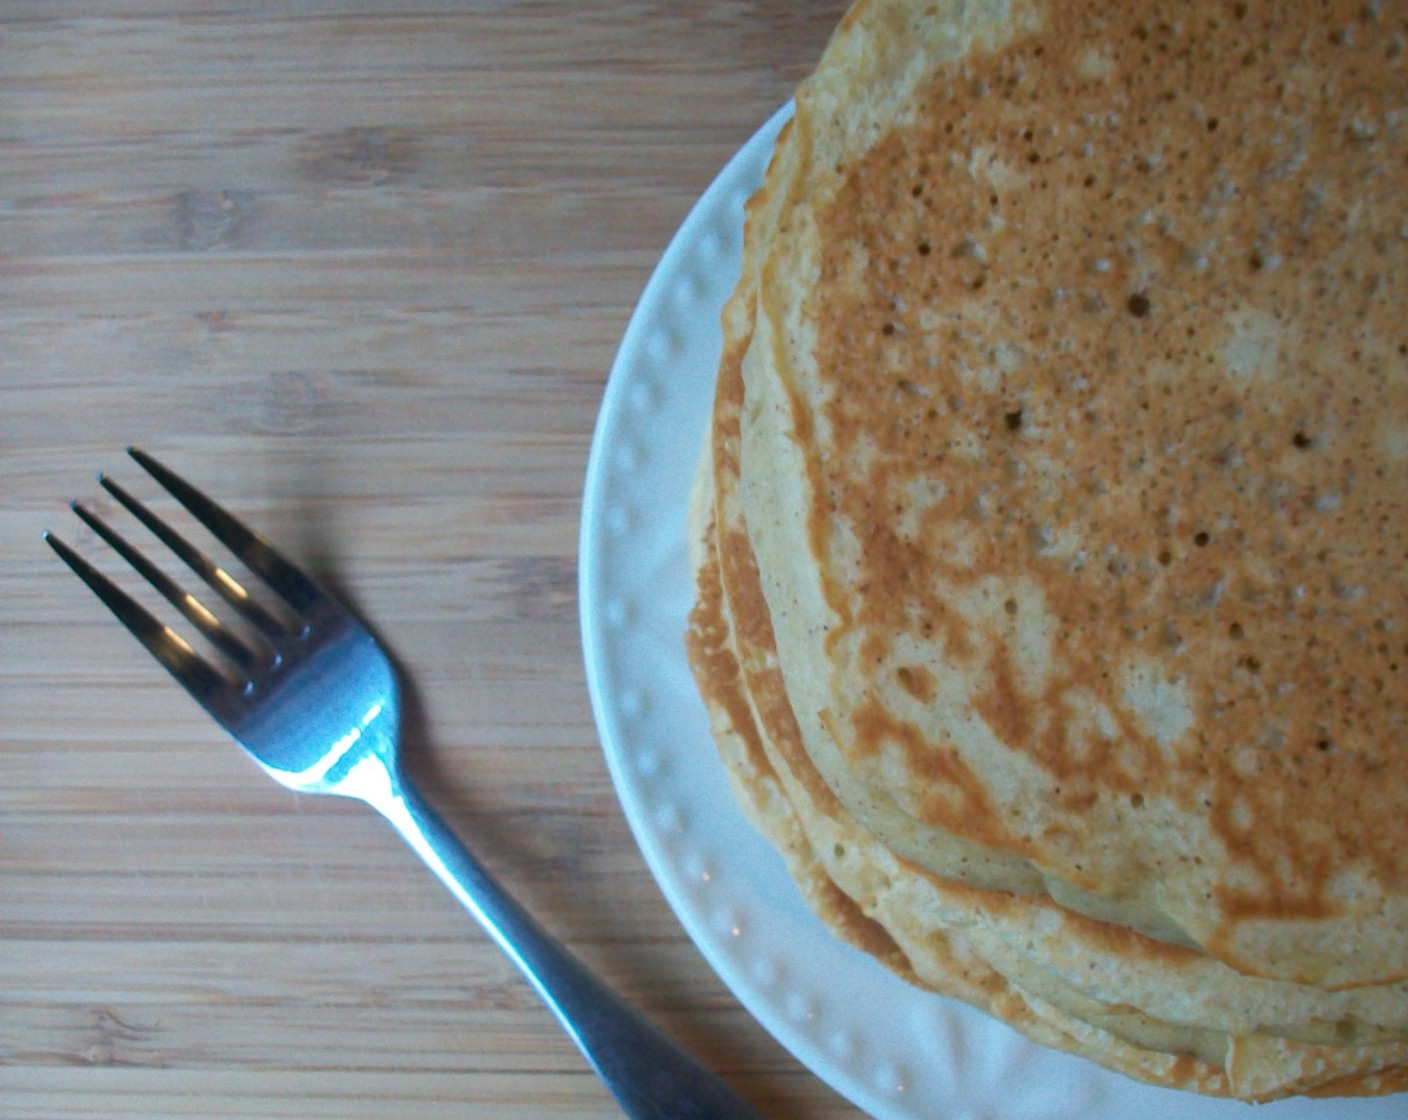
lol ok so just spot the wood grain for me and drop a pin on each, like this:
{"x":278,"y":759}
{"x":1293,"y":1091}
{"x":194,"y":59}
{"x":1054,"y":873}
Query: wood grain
{"x":360,"y":269}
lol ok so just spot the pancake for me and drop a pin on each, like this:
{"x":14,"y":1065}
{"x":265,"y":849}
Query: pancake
{"x":923,"y":914}
{"x":1074,"y":434}
{"x":857,"y":731}
{"x":731,"y":650}
{"x":1256,"y":1066}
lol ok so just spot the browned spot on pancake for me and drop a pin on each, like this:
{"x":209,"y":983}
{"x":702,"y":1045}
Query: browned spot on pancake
{"x":917,"y":681}
{"x":1242,"y":905}
{"x":850,"y":922}
{"x":1187,"y":1070}
{"x":713,"y":664}
{"x":1003,"y":706}
{"x":1146,"y":276}
{"x":955,"y":797}
{"x":874,"y":649}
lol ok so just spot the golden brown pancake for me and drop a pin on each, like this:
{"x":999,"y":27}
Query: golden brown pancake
{"x":1075,"y":438}
{"x":1092,"y":965}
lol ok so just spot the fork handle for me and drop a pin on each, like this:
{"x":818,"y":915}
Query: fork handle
{"x":650,"y":1076}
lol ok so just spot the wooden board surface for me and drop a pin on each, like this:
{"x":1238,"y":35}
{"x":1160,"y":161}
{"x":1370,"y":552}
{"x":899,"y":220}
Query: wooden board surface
{"x":359,"y":269}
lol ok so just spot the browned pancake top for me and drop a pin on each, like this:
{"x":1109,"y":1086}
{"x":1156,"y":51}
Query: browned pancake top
{"x":1152,"y":263}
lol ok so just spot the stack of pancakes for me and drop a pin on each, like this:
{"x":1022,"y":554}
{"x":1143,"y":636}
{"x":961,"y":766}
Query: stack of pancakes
{"x":1051,"y":531}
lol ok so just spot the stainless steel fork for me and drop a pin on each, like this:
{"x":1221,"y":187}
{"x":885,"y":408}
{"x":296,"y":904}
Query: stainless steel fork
{"x":310,"y":695}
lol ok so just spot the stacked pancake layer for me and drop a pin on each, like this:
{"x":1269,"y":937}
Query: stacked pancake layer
{"x":1051,"y":530}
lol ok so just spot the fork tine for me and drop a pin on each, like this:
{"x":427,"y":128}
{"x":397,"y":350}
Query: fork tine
{"x":195,"y":612}
{"x":229,"y":587}
{"x":257,"y":554}
{"x":201,"y":679}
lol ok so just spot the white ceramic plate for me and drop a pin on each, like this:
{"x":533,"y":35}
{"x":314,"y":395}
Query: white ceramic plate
{"x":896,"y":1052}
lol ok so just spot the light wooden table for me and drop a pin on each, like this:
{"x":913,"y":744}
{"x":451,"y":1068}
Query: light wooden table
{"x":360,"y":269}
